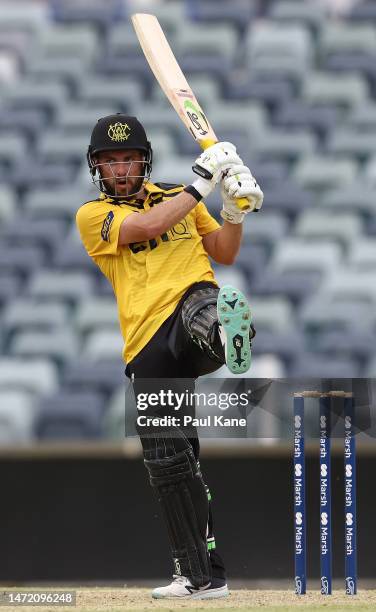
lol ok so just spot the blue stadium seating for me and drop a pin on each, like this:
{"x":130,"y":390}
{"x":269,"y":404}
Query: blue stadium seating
{"x":69,"y":415}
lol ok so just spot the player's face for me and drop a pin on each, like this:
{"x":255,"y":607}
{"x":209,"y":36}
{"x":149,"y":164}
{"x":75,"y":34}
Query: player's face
{"x":121,"y":171}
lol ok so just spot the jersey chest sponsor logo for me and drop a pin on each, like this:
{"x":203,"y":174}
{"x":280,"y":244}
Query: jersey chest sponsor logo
{"x":180,"y":231}
{"x":105,"y":232}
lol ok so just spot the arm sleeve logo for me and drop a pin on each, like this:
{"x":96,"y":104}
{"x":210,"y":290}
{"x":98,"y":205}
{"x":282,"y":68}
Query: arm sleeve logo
{"x":105,"y":232}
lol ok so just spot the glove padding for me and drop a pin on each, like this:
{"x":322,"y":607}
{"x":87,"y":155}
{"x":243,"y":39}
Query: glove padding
{"x":211,"y":165}
{"x":239,"y":183}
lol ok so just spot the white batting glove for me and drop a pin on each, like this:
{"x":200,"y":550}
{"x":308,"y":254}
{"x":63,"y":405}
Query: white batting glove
{"x":239,"y":183}
{"x":211,"y":164}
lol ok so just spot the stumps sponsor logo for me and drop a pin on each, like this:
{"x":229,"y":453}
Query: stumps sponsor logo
{"x":298,"y":586}
{"x":350,"y":585}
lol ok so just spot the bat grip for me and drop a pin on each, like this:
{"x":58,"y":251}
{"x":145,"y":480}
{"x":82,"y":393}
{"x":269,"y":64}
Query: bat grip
{"x":242,"y":203}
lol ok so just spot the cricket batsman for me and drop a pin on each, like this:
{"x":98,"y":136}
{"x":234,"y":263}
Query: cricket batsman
{"x":153,"y":242}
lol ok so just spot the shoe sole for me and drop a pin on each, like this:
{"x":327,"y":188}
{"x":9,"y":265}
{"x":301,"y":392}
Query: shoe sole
{"x":235,"y":316}
{"x":209,"y":594}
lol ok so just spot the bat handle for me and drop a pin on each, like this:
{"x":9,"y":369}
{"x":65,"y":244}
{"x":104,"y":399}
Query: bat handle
{"x":242,"y":203}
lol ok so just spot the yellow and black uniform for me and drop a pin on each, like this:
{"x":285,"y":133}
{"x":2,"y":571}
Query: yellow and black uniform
{"x":148,"y":278}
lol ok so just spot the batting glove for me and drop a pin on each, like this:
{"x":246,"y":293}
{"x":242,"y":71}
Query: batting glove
{"x":211,"y":165}
{"x":238,"y":182}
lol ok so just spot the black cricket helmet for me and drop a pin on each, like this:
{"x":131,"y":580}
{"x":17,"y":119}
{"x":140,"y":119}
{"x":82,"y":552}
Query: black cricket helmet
{"x":118,"y":132}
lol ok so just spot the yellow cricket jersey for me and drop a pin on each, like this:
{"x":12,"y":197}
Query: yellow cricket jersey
{"x":148,"y":278}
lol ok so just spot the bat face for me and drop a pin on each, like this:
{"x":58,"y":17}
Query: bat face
{"x":171,"y":79}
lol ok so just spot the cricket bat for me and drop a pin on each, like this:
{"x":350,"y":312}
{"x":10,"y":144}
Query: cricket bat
{"x":168,"y":73}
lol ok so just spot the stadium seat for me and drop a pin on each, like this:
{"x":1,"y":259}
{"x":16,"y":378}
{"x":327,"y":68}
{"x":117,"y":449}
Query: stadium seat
{"x":293,"y":254}
{"x":350,"y":142}
{"x":59,"y":345}
{"x":96,"y":314}
{"x":10,"y":286}
{"x":345,"y":90}
{"x":240,"y":12}
{"x":122,"y":40}
{"x":20,"y":259}
{"x":56,"y":145}
{"x":362,"y":255}
{"x":268,"y":39}
{"x":266,"y":229}
{"x":62,"y":203}
{"x":68,"y":286}
{"x":319,"y":366}
{"x":299,"y":114}
{"x":44,"y":233}
{"x":362,"y":116}
{"x":62,"y":69}
{"x":25,"y":314}
{"x":207,"y":39}
{"x":26,"y":16}
{"x":275,"y":314}
{"x":340,"y":36}
{"x":352,"y":62}
{"x":110,"y":91}
{"x":67,"y":40}
{"x":350,"y":198}
{"x":12,"y":148}
{"x":285,"y":344}
{"x":87,"y":11}
{"x":53,"y":174}
{"x":26,"y":122}
{"x":103,"y":345}
{"x":30,"y":94}
{"x":313,"y":224}
{"x":336,"y":312}
{"x":34,"y":376}
{"x":311,"y":14}
{"x":271,"y":91}
{"x":296,"y":284}
{"x":363,"y":12}
{"x":16,"y":417}
{"x":102,"y":376}
{"x":69,"y":416}
{"x":353,"y":343}
{"x":291,"y":68}
{"x":285,"y":196}
{"x":323,"y":172}
{"x":284,"y":144}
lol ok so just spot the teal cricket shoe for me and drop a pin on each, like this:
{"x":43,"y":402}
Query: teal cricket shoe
{"x":235,"y":317}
